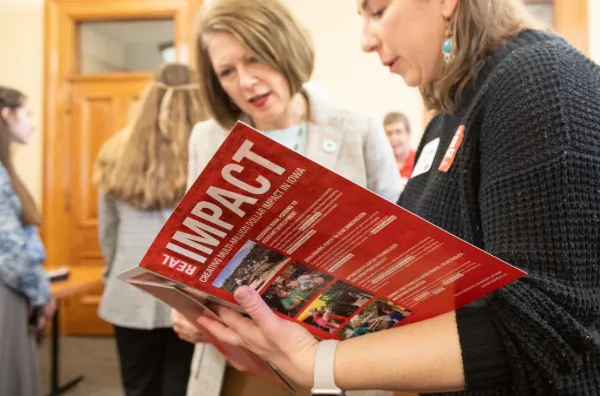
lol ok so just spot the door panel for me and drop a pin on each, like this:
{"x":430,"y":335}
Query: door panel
{"x":100,"y":106}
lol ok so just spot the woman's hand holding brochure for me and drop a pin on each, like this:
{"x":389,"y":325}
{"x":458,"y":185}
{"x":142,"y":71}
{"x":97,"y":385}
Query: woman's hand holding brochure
{"x":285,"y":344}
{"x":185,"y":330}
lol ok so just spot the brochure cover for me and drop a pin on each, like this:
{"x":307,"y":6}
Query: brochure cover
{"x":320,"y":249}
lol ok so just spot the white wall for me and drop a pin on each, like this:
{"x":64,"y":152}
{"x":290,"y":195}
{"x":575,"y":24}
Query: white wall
{"x":354,"y":79}
{"x":22,"y":67}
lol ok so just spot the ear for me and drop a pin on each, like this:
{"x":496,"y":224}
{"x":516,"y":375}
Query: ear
{"x":448,"y":7}
{"x":5,"y":114}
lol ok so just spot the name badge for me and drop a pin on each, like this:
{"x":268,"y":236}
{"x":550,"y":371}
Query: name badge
{"x":426,"y":158}
{"x":452,"y":149}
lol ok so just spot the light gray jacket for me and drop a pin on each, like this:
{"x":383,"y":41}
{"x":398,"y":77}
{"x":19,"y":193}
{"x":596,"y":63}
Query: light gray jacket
{"x":125,"y":234}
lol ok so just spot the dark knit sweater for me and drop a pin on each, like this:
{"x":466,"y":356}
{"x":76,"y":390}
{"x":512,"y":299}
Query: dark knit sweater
{"x":525,"y":187}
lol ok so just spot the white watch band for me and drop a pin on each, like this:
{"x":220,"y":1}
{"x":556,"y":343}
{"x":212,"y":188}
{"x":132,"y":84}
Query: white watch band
{"x":323,"y":376}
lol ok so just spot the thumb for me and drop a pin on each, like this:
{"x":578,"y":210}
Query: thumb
{"x":258,"y":310}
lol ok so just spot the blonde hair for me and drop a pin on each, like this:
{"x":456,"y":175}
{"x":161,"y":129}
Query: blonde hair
{"x":145,"y":164}
{"x":479,"y":28}
{"x":265,"y":27}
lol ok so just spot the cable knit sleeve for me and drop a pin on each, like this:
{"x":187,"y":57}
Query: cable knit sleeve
{"x":539,"y":205}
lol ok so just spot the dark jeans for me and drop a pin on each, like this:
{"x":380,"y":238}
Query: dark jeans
{"x":153,"y":362}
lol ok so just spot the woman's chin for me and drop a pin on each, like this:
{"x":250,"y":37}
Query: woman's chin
{"x":412,"y":78}
{"x":411,"y":81}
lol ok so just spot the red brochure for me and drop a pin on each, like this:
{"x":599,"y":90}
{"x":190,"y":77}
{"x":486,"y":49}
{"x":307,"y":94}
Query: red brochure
{"x":320,"y":249}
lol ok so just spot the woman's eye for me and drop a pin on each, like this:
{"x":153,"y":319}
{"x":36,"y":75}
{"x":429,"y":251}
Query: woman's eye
{"x":252,"y":59}
{"x":225,"y":73}
{"x":378,"y":14}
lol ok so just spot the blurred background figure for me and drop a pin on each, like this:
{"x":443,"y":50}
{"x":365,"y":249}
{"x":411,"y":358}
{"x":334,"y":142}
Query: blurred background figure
{"x":25,"y":302}
{"x":397,"y":129}
{"x":142,"y":172}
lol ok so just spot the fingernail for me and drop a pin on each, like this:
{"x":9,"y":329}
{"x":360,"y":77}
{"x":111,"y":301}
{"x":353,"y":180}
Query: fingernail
{"x":242,"y":294}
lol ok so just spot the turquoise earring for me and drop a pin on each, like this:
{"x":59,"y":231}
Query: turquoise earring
{"x":448,"y":47}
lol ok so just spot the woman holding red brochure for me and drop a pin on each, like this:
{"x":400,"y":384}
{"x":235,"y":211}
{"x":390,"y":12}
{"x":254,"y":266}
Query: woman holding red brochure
{"x":255,"y":61}
{"x":511,"y":164}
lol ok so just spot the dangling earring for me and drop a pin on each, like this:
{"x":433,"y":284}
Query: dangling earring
{"x":448,"y":46}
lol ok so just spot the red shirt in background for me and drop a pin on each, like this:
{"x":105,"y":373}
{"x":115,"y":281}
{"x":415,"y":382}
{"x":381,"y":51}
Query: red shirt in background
{"x":408,"y":165}
{"x":407,"y":168}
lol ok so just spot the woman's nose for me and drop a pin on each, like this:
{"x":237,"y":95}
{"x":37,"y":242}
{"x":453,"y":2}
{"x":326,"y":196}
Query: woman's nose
{"x":247,"y":79}
{"x":369,"y":41}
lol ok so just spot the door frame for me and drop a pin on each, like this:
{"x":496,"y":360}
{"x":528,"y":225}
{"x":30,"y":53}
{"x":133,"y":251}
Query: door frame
{"x":60,"y":54}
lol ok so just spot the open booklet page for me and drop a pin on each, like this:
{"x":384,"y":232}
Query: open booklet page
{"x":192,"y":304}
{"x":319,"y":248}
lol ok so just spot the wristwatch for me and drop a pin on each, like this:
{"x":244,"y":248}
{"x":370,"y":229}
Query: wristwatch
{"x":324,"y":381}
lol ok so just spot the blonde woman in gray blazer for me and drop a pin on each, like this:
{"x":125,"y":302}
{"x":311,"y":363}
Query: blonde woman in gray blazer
{"x":142,"y":174}
{"x":254,"y":61}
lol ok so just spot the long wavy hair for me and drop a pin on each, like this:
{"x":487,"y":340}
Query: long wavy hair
{"x":479,"y":28}
{"x":11,"y":100}
{"x":145,"y":165}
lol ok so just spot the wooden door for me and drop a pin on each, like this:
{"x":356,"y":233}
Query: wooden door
{"x":99,"y":108}
{"x":87,"y":99}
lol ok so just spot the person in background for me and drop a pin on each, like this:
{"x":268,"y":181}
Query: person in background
{"x":26,"y":305}
{"x":142,"y":173}
{"x":397,"y":129}
{"x":510,"y":164}
{"x":254,"y":60}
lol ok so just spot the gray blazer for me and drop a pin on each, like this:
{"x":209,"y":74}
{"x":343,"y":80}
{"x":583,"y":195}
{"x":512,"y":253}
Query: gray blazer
{"x":125,"y":234}
{"x":352,"y":145}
